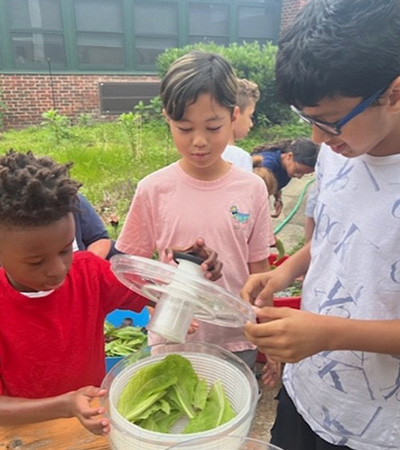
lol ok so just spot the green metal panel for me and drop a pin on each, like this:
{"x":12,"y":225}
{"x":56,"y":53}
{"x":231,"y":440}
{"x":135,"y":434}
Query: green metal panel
{"x":127,"y":8}
{"x":68,"y":21}
{"x":131,"y":65}
{"x":6,"y":58}
{"x":183,"y":23}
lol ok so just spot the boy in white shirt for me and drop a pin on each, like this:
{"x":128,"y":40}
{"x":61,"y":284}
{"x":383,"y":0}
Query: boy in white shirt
{"x":247,"y":98}
{"x":339,"y":65}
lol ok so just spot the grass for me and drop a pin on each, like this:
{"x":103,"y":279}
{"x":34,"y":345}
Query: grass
{"x":109,"y":161}
{"x":103,"y":159}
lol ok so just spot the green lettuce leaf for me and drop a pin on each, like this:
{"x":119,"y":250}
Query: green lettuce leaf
{"x":160,"y":405}
{"x":200,"y":394}
{"x":182,"y":392}
{"x":216,"y":412}
{"x":147,"y":386}
{"x":161,"y":422}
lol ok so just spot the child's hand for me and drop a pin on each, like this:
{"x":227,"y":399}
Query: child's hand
{"x":80,"y":407}
{"x":271,"y":372}
{"x":260,"y":287}
{"x":193,"y":327}
{"x":287,"y":334}
{"x":278,"y":205}
{"x":211,"y":266}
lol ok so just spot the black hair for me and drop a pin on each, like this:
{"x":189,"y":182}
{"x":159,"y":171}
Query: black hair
{"x":304,"y":151}
{"x":349,"y":48}
{"x":34,"y":191}
{"x":194,"y":74}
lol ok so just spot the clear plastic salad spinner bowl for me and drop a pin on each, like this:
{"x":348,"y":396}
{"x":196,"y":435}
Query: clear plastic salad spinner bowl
{"x":225,"y":442}
{"x":181,"y":293}
{"x":212,"y":364}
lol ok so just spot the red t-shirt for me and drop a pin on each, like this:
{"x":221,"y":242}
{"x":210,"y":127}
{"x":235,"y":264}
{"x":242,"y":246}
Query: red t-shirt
{"x":55,"y":344}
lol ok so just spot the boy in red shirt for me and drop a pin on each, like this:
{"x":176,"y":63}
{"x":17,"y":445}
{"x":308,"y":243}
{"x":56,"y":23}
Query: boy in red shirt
{"x":52,"y":302}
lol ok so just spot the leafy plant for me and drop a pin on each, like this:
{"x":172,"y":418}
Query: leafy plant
{"x":58,"y":125}
{"x":85,"y":120}
{"x":132,"y":126}
{"x":150,"y":112}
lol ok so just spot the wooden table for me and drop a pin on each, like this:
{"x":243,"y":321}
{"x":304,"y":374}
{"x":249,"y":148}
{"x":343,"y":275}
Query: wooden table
{"x":63,"y":434}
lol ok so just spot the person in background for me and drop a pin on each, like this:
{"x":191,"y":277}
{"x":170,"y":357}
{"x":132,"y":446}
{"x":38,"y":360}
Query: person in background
{"x":203,"y":193}
{"x":90,"y":231}
{"x":338,"y":64}
{"x":246,"y":100}
{"x":279,"y":162}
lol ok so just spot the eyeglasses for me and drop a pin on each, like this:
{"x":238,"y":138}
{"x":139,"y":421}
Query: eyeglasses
{"x":335,"y":128}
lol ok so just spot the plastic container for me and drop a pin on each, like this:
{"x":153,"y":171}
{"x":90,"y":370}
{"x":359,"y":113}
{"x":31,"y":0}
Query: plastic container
{"x":181,"y":293}
{"x":111,"y":361}
{"x":174,"y":314}
{"x":211,"y":363}
{"x":225,"y":443}
{"x":139,"y":319}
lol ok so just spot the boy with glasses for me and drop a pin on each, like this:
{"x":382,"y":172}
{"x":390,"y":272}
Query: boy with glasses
{"x":339,"y":66}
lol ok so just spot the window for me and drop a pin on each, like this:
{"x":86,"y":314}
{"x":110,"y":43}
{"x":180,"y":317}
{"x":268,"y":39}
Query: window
{"x":99,"y":33}
{"x":36,"y":33}
{"x":155,"y":26}
{"x":118,"y":35}
{"x":208,"y":22}
{"x":257,"y":24}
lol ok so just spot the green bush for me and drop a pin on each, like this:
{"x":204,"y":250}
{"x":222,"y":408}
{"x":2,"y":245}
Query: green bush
{"x":251,"y":61}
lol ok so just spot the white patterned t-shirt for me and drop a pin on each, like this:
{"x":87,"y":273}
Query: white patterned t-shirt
{"x":352,"y":398}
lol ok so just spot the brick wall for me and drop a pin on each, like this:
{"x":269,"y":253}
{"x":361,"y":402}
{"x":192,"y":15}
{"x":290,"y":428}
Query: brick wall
{"x":28,"y":96}
{"x":289,"y":10}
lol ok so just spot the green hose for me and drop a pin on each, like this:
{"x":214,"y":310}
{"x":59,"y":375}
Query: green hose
{"x":295,"y":209}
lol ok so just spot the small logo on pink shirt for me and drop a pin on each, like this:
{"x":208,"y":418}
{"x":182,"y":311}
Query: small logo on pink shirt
{"x":239,"y":218}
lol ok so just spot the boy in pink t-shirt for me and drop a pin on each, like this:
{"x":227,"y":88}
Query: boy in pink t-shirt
{"x":202,"y":194}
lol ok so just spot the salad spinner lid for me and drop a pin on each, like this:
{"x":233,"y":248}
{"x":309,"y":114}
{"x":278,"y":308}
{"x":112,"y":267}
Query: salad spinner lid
{"x":153,"y":279}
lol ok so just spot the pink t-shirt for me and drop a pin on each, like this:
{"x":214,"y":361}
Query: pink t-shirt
{"x":172,"y":209}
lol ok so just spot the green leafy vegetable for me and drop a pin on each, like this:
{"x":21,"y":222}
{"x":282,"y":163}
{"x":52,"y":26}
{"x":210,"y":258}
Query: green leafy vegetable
{"x":182,"y":393}
{"x":149,"y":384}
{"x":123,"y":341}
{"x":160,"y":393}
{"x":200,"y":395}
{"x":216,"y":412}
{"x":161,"y":422}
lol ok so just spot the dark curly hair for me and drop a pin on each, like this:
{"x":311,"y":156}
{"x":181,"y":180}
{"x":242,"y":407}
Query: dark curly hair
{"x":34,"y":191}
